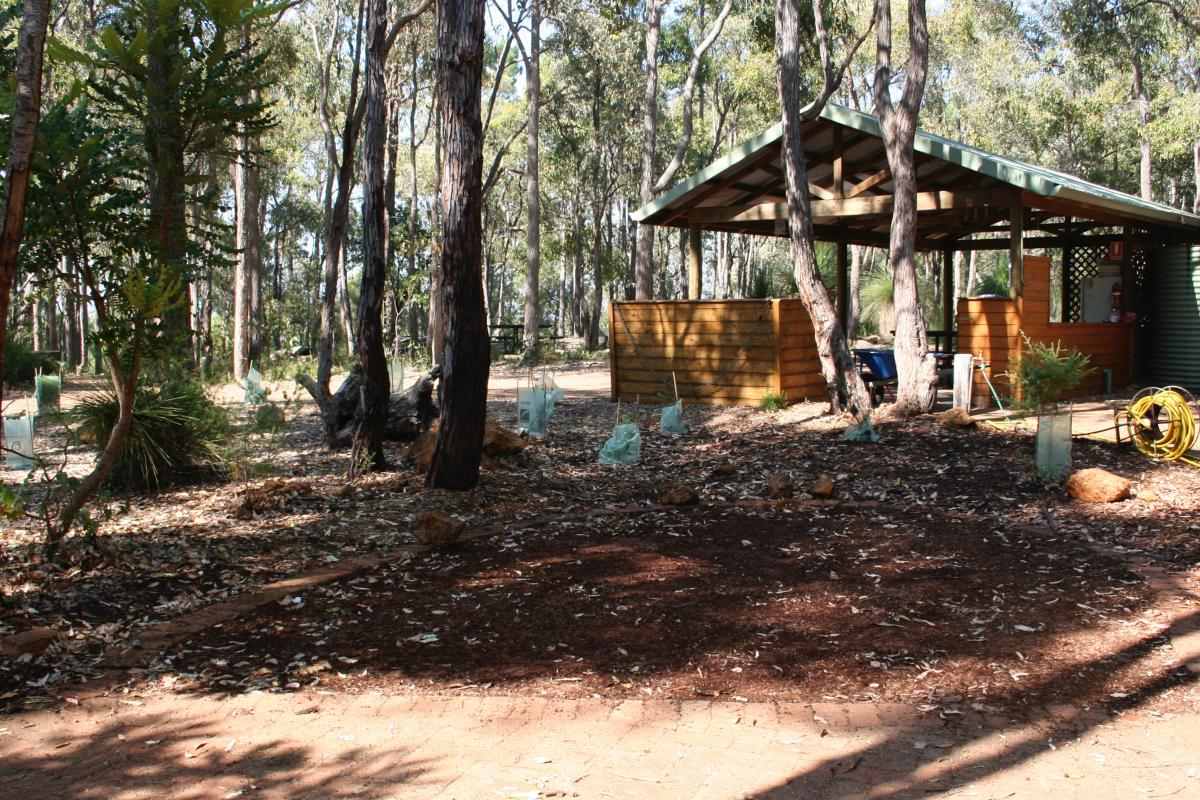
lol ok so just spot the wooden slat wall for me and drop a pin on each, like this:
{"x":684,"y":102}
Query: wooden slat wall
{"x":723,"y":352}
{"x":993,"y":328}
{"x":800,"y":369}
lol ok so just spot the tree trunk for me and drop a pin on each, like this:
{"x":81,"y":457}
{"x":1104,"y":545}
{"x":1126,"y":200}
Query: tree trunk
{"x":73,"y":355}
{"x":165,"y":142}
{"x":456,"y":456}
{"x":854,"y":302}
{"x":335,"y":220}
{"x":27,"y":106}
{"x":916,"y":369}
{"x":533,"y":223}
{"x":837,"y":364}
{"x":643,"y":271}
{"x":367,"y":453}
{"x":1141,"y":98}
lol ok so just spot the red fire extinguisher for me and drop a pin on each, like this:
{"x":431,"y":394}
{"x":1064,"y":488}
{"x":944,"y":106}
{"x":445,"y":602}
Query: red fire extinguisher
{"x":1116,"y":296}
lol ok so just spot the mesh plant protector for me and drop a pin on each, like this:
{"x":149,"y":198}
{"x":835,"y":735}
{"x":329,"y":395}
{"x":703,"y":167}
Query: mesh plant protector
{"x":256,"y":392}
{"x":396,"y":375}
{"x":861,"y":432}
{"x":534,"y":409}
{"x":671,"y":420}
{"x":624,"y":446}
{"x":46,"y":390}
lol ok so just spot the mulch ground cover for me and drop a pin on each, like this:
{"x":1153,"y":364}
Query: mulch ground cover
{"x":826,"y":603}
{"x":920,"y":587}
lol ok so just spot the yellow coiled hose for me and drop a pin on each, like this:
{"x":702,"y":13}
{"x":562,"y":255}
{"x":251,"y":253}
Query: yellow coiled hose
{"x":1161,"y":424}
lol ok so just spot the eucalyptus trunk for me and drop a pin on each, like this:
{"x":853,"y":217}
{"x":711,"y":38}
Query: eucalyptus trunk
{"x":533,"y":224}
{"x":27,"y":105}
{"x":916,"y":368}
{"x":842,"y":378}
{"x":367,"y":452}
{"x":459,"y":446}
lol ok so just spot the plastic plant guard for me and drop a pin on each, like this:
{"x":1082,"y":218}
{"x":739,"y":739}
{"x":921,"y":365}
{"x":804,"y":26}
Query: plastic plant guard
{"x":534,"y":408}
{"x":1054,"y":445}
{"x":671,"y":420}
{"x":256,"y":393}
{"x":624,"y":446}
{"x":46,"y":390}
{"x":396,"y":375}
{"x":547,"y":384}
{"x":18,"y":438}
{"x":861,"y":432}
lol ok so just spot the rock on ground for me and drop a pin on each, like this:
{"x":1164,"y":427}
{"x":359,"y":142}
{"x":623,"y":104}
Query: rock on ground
{"x":498,"y":442}
{"x":823,"y":486}
{"x":1095,"y":485}
{"x":780,"y":485}
{"x":32,"y":642}
{"x":437,"y":529}
{"x":680,"y":496}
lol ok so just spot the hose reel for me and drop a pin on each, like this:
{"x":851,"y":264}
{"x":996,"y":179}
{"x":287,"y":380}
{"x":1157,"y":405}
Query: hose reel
{"x":1160,"y":423}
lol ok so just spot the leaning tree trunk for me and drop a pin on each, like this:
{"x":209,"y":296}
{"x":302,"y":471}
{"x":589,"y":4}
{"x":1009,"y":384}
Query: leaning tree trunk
{"x":916,"y":369}
{"x":27,"y":106}
{"x":367,"y":452}
{"x":455,"y":463}
{"x":837,"y":364}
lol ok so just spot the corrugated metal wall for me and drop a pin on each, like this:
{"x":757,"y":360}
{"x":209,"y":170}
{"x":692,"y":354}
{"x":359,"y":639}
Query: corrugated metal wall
{"x":1177,"y":317}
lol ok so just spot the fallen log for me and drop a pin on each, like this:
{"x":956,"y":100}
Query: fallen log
{"x":410,"y":413}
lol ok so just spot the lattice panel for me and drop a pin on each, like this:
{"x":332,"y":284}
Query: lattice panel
{"x":1082,"y":263}
{"x":1139,"y":301}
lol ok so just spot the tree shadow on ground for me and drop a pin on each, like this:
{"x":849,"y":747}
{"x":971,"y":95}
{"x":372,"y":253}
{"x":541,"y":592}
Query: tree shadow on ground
{"x":164,"y":756}
{"x":708,"y":603}
{"x":902,"y":772}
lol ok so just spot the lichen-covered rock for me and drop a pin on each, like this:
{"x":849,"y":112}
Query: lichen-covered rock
{"x":1095,"y":485}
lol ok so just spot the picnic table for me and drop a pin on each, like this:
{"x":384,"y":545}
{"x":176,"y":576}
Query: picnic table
{"x":510,"y":337}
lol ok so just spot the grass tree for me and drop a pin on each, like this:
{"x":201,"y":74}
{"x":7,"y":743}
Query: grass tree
{"x":86,"y":202}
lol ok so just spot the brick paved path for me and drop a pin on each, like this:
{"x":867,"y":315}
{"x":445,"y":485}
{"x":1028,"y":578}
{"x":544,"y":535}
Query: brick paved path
{"x":375,"y":746}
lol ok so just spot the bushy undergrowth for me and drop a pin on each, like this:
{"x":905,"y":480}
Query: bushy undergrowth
{"x":21,"y":363}
{"x":174,"y":439}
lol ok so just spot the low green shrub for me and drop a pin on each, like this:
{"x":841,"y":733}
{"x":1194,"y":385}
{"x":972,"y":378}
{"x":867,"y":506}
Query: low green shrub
{"x":774,"y":401}
{"x":174,"y":438}
{"x":21,"y":363}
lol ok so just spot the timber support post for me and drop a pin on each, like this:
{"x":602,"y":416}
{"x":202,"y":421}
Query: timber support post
{"x":695,"y":262}
{"x":948,"y":293}
{"x":843,"y":286}
{"x":1016,"y":248}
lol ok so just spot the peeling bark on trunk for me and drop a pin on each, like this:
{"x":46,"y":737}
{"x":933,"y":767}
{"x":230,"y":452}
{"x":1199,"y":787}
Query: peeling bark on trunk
{"x":31,"y":40}
{"x":367,"y":453}
{"x":837,"y":364}
{"x":916,"y":369}
{"x":456,"y":457}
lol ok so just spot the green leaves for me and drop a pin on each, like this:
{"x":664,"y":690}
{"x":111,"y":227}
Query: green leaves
{"x":1046,"y":372}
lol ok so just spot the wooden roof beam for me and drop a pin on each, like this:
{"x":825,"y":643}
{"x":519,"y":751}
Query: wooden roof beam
{"x":863,"y":206}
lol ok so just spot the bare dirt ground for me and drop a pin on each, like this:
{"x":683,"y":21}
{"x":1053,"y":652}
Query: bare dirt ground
{"x":942,"y":568}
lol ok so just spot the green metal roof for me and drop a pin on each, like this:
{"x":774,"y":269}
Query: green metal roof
{"x":1034,"y":179}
